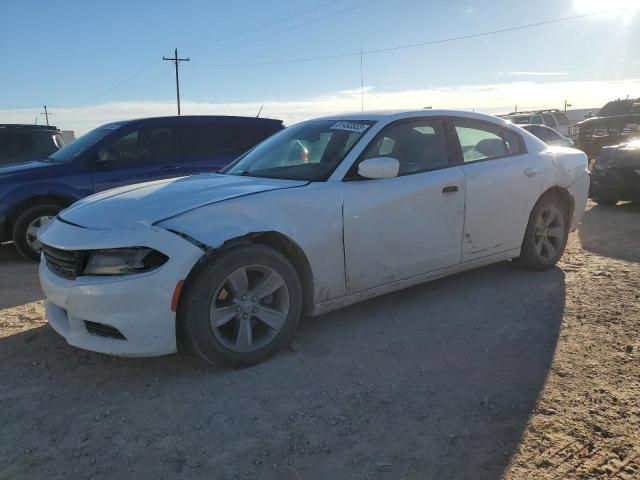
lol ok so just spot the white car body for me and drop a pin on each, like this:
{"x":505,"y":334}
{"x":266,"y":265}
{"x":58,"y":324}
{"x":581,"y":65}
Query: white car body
{"x":359,"y":239}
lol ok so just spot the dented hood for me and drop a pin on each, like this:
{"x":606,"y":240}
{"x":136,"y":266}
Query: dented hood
{"x":154,"y":201}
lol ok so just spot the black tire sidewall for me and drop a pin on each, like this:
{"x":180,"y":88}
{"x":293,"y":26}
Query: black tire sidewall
{"x":22,"y":223}
{"x":529,"y":257}
{"x":195,"y":302}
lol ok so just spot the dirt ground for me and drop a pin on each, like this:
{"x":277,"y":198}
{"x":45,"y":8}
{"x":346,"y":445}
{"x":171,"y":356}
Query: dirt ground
{"x":490,"y":374}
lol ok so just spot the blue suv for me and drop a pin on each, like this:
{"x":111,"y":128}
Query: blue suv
{"x":116,"y":154}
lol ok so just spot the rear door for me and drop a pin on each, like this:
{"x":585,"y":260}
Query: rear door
{"x":137,"y":155}
{"x":503,"y":183}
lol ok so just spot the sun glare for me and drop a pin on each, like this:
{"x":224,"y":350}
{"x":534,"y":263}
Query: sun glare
{"x":590,"y":6}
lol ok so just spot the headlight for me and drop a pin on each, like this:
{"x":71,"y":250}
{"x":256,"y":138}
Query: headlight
{"x":123,"y":261}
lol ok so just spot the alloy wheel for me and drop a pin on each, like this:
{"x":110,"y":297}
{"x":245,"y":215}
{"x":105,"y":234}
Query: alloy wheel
{"x":549,"y":233}
{"x":33,"y":229}
{"x":249,"y":308}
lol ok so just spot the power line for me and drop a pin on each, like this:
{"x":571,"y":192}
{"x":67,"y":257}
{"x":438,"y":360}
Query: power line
{"x":420,"y":44}
{"x":303,"y":24}
{"x":265,"y":22}
{"x":176,"y":61}
{"x":123,"y":82}
{"x":262,"y":23}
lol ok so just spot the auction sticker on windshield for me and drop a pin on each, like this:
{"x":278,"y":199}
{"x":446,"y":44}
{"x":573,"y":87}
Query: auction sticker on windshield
{"x":350,"y":126}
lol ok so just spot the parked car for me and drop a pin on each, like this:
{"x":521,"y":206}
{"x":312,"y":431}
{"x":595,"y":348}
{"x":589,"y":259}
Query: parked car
{"x":551,"y":118}
{"x":549,"y":135}
{"x":118,"y":154}
{"x":615,"y":123}
{"x":615,"y":175}
{"x":379,"y":202}
{"x":21,"y":143}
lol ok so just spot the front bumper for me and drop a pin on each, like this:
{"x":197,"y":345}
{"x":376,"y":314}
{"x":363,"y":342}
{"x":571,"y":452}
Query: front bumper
{"x":137,"y":306}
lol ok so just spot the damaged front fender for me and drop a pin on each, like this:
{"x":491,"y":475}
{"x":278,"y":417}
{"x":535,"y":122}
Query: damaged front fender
{"x":311,"y":217}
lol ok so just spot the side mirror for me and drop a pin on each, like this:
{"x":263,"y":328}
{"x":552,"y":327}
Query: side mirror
{"x":379,"y":167}
{"x":105,"y":156}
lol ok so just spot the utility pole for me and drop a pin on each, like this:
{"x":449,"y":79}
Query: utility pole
{"x":176,"y":62}
{"x":361,"y":82}
{"x":46,"y":114}
{"x":566,"y":104}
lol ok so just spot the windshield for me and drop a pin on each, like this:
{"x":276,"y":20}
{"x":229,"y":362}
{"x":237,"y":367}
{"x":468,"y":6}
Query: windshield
{"x":309,"y":151}
{"x":78,"y":146}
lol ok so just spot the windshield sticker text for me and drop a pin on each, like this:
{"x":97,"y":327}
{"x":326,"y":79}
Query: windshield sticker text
{"x":350,"y":126}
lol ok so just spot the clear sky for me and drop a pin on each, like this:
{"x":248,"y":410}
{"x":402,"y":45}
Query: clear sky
{"x":92,"y":62}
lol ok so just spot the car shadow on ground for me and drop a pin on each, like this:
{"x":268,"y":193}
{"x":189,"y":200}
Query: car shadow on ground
{"x":20,"y":284}
{"x":436,"y":381}
{"x":612,"y":231}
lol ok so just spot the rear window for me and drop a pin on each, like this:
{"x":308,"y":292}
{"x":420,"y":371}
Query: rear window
{"x":562,"y":119}
{"x":14,"y":143}
{"x":549,"y":121}
{"x":519,"y":119}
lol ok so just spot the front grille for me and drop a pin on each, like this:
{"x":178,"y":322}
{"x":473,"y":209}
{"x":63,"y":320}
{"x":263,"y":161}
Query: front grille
{"x":103,"y":330}
{"x":64,"y":263}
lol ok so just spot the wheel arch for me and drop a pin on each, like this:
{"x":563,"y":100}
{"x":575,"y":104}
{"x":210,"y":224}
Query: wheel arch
{"x":281,"y":243}
{"x":20,"y":207}
{"x":556,"y":191}
{"x":564,"y":195}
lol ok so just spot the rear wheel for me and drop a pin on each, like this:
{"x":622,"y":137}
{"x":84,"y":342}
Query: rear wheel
{"x":546,"y":235}
{"x":240,"y":307}
{"x":27,"y":227}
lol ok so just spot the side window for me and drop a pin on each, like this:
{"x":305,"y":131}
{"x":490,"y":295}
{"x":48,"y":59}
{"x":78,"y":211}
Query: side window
{"x":549,"y":121}
{"x":487,"y":142}
{"x":419,"y":146}
{"x":145,"y":146}
{"x":536,"y":120}
{"x":214,"y":140}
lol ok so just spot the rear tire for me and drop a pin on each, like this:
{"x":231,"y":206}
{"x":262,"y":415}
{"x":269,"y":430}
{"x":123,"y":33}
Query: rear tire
{"x":27,"y":226}
{"x":238,"y":308}
{"x":546,"y":236}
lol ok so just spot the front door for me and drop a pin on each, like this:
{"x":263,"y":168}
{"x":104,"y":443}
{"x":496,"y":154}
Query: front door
{"x":136,"y":156}
{"x":396,"y":228}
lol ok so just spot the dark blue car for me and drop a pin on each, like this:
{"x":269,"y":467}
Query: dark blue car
{"x":116,"y":154}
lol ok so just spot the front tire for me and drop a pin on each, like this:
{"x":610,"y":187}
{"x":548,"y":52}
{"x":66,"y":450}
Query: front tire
{"x":546,"y":236}
{"x":27,"y":226}
{"x":240,"y":307}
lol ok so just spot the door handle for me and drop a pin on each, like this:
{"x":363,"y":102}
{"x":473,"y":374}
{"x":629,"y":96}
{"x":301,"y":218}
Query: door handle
{"x":531,"y":172}
{"x":170,"y":167}
{"x":450,"y":189}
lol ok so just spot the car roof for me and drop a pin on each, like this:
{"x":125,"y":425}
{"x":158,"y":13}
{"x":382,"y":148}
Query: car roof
{"x":194,"y":119}
{"x":391,"y":115}
{"x":24,"y":126}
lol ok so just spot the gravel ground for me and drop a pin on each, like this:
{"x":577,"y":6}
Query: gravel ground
{"x":495,"y":373}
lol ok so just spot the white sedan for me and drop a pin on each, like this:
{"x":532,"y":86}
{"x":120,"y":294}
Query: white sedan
{"x":376,"y":203}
